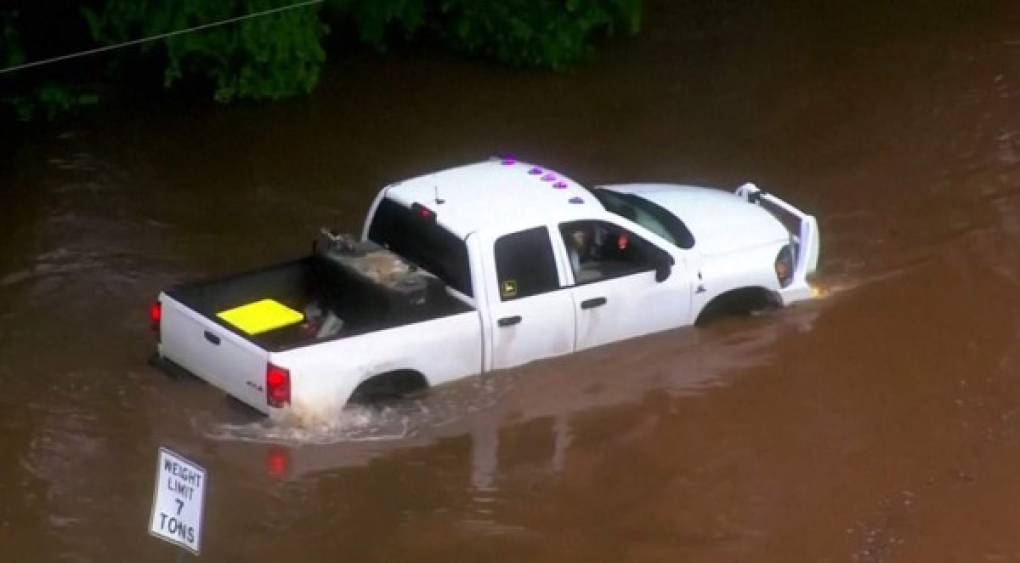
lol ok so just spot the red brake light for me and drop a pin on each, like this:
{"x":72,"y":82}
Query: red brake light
{"x":155,"y":314}
{"x":423,"y":212}
{"x":277,"y":386}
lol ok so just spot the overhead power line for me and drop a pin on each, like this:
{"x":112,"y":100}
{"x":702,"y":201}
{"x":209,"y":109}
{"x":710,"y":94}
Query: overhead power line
{"x":202,"y":27}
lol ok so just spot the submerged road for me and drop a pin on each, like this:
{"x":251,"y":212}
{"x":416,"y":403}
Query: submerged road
{"x":881,"y":423}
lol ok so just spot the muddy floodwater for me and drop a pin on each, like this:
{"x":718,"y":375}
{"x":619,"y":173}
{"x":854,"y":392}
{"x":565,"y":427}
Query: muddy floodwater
{"x":880,"y":423}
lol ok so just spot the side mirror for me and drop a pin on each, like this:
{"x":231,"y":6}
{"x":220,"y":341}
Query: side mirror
{"x":663,"y":267}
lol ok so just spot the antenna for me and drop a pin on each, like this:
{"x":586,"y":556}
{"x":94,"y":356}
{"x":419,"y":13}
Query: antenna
{"x":435,"y":190}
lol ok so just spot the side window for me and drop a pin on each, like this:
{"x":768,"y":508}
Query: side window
{"x":599,"y":250}
{"x":524,"y":264}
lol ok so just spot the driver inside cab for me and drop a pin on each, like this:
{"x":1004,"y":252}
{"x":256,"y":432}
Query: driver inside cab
{"x":592,"y":248}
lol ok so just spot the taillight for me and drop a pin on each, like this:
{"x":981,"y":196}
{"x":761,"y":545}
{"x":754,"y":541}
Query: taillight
{"x":423,"y":213}
{"x":784,"y":266}
{"x":277,"y":386}
{"x":155,"y":315}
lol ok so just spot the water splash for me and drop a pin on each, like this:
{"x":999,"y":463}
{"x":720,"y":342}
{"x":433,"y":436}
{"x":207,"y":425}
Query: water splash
{"x":400,"y":422}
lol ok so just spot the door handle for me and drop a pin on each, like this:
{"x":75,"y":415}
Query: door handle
{"x":212,"y":338}
{"x":509,"y":321}
{"x":593,"y":302}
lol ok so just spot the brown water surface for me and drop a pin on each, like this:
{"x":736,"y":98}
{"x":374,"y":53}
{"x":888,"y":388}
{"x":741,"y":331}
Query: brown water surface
{"x":881,"y":423}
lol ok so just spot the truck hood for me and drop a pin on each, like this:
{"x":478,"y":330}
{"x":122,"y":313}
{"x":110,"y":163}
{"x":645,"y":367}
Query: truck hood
{"x":720,"y":221}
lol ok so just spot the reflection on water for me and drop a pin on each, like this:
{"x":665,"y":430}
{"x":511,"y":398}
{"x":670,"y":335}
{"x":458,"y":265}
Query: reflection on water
{"x":681,"y":363}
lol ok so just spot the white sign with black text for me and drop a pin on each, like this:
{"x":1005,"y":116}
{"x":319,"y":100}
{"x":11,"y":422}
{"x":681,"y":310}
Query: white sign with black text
{"x":178,"y":500}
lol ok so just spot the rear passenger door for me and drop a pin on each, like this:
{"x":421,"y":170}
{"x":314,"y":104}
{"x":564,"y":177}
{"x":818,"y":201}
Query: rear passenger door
{"x":532,"y":315}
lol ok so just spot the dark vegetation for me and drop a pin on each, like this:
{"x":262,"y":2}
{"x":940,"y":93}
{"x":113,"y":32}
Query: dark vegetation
{"x":276,"y":55}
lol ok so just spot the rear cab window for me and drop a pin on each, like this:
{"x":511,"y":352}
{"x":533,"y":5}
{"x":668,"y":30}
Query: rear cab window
{"x":423,"y":242}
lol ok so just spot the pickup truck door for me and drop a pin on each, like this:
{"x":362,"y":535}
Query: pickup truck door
{"x":615,"y":291}
{"x":531,"y":314}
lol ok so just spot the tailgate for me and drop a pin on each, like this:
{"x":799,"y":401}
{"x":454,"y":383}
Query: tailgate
{"x":213,"y":353}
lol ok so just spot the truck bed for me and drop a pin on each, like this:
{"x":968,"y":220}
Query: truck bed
{"x":299,"y":284}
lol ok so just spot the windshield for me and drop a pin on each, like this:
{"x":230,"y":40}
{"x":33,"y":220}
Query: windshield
{"x":648,"y":215}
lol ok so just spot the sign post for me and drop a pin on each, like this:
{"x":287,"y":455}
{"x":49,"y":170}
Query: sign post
{"x":177,"y":501}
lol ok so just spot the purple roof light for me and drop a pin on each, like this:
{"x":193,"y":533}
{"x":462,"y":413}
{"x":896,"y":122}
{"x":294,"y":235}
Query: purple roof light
{"x":549,"y":177}
{"x":576,"y":200}
{"x":560,"y":185}
{"x":535,"y":171}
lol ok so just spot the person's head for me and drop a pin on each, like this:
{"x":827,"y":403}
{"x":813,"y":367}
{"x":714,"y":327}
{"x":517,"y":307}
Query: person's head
{"x":580,"y":238}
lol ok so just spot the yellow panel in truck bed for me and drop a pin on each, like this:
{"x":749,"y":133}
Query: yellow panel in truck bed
{"x":261,"y":316}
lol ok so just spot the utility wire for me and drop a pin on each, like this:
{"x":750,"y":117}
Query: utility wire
{"x":158,"y":37}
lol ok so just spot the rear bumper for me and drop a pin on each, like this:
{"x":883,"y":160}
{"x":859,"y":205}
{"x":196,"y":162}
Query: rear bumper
{"x":804,"y":235}
{"x":176,"y":371}
{"x":169,"y":367}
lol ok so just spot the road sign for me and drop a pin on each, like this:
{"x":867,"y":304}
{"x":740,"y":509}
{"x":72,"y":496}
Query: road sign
{"x":178,"y":500}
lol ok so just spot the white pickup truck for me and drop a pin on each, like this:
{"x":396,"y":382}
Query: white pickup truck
{"x":521,"y":263}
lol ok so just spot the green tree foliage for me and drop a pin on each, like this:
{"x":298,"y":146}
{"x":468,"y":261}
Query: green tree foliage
{"x":280,"y":54}
{"x":269,"y":57}
{"x":538,"y":33}
{"x":51,"y":100}
{"x":11,"y":52}
{"x":27,"y":101}
{"x":544,"y":33}
{"x":376,"y":20}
